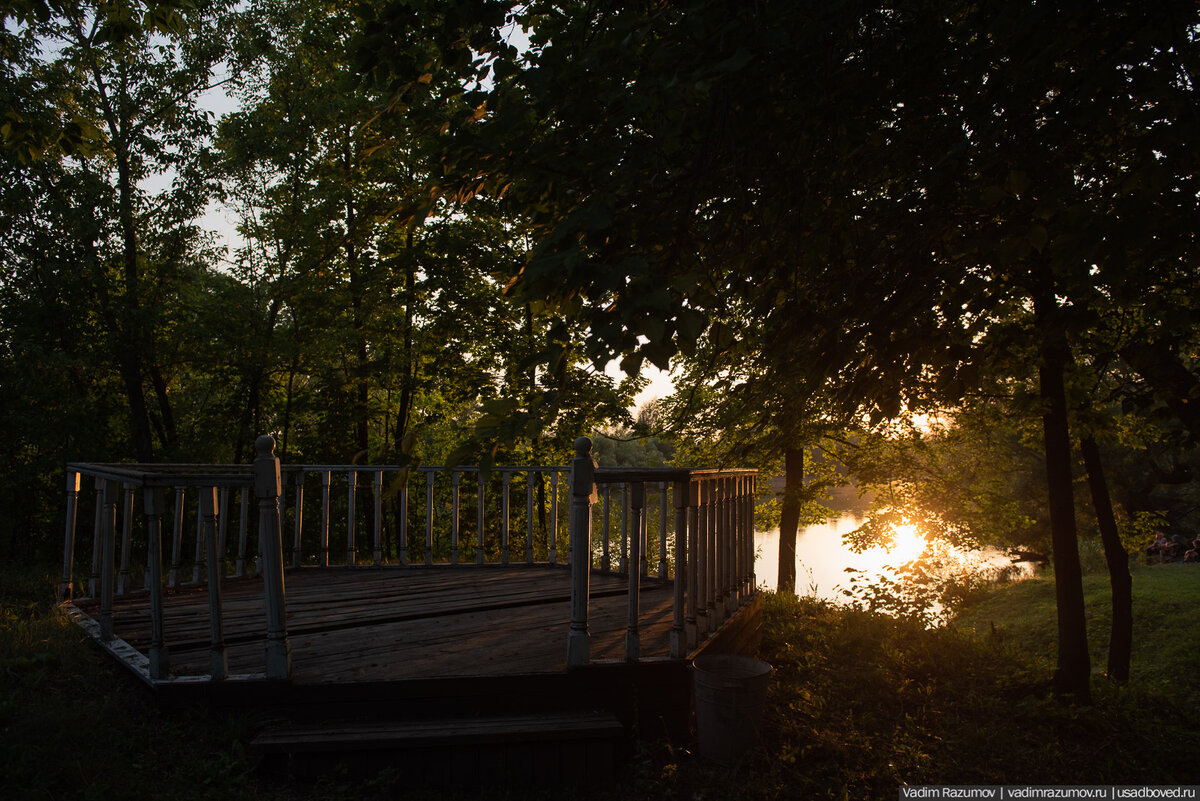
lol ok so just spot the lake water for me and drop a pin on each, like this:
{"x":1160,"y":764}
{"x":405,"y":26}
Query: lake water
{"x":822,"y":558}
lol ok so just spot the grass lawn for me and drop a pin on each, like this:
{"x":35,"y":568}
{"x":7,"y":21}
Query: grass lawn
{"x":859,"y":704}
{"x":1166,"y":625}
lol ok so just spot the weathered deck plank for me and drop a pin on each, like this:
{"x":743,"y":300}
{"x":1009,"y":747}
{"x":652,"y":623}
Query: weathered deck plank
{"x":358,"y":625}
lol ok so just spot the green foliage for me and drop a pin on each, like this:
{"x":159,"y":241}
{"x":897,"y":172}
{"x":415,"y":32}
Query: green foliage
{"x":858,"y":705}
{"x":355,"y":320}
{"x":861,"y":704}
{"x":974,"y":479}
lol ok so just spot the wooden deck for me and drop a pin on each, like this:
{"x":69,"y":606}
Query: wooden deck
{"x":363,"y":663}
{"x":387,"y":624}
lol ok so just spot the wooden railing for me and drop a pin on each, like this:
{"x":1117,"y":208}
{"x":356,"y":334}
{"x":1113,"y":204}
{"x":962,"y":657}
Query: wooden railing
{"x":708,"y":552}
{"x":116,"y":487}
{"x":689,"y":528}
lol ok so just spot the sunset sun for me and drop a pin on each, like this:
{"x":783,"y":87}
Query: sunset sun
{"x":907,"y":543}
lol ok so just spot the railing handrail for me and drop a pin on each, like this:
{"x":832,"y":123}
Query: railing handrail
{"x":614,"y":475}
{"x":163,"y":475}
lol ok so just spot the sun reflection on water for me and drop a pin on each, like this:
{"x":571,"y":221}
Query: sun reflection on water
{"x":825,"y":564}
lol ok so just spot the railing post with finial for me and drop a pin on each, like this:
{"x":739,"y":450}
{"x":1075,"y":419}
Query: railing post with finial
{"x":267,"y":487}
{"x":583,"y":490}
{"x":678,"y":641}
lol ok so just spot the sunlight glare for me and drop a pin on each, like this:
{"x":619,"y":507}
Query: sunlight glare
{"x":907,"y":543}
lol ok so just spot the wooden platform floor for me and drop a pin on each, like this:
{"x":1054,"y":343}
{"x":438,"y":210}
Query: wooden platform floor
{"x":384,"y":624}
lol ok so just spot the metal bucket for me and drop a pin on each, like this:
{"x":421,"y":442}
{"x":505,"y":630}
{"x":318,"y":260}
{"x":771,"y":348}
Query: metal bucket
{"x":730,"y":694}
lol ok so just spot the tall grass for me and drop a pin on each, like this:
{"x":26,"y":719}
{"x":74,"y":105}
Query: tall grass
{"x":862,"y":703}
{"x":859,"y":704}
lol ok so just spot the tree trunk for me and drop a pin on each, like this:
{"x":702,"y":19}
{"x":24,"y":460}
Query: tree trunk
{"x":1120,"y":638}
{"x":1071,"y":679}
{"x":293,"y":368}
{"x":408,"y":380}
{"x":139,"y":416}
{"x":132,"y":331}
{"x":789,"y":519}
{"x":170,"y":436}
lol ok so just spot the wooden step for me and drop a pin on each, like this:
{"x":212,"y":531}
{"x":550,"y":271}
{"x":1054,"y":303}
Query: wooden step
{"x":501,"y":750}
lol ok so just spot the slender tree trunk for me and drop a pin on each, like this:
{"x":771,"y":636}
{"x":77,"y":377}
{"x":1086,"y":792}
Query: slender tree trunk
{"x":132,"y":333}
{"x":287,"y":405}
{"x":361,"y":403}
{"x":139,"y":416}
{"x":408,"y":380}
{"x":789,"y":519}
{"x":245,"y":434}
{"x":1071,"y":679}
{"x":1120,"y":638}
{"x":170,"y":436}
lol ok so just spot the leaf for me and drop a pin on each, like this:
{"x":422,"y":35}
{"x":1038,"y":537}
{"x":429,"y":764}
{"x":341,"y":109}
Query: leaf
{"x":1038,"y":237}
{"x":690,"y":324}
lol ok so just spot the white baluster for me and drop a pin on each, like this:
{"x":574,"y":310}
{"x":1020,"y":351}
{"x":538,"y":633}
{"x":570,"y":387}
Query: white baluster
{"x":298,"y":513}
{"x":239,"y":565}
{"x":678,"y":643}
{"x":456,"y":480}
{"x":694,"y":562}
{"x":218,"y":659}
{"x":324,"y":518}
{"x":198,"y":560}
{"x":529,"y":517}
{"x":176,"y":539}
{"x":153,"y":505}
{"x":623,"y":561}
{"x":93,"y":589}
{"x":479,"y":514}
{"x":429,"y":476}
{"x":352,"y":484}
{"x":504,"y":523}
{"x":126,"y":540}
{"x":637,"y":499}
{"x":64,"y":587}
{"x":108,"y":536}
{"x":662,"y":530}
{"x":223,"y":525}
{"x":552,"y":551}
{"x":404,"y":519}
{"x":606,"y":559}
{"x":244,"y":523}
{"x":377,"y":489}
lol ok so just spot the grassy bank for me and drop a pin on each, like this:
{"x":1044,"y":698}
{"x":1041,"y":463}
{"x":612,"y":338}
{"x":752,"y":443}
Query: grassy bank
{"x":859,"y":704}
{"x":1166,"y":625}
